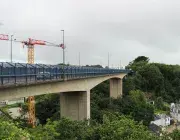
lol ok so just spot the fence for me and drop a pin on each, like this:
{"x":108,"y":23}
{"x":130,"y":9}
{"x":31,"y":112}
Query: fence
{"x":23,"y":73}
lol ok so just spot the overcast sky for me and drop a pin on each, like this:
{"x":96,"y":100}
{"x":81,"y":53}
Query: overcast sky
{"x":124,"y":28}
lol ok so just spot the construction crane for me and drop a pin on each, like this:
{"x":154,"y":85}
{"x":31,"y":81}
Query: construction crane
{"x":31,"y":100}
{"x":30,"y":46}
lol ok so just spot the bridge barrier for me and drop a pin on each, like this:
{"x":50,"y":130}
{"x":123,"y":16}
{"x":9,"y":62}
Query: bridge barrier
{"x":23,"y":73}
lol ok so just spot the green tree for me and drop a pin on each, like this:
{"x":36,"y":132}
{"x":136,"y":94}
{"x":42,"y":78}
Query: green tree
{"x":47,"y":106}
{"x":154,"y":80}
{"x":46,"y":132}
{"x":141,"y":58}
{"x":114,"y":126}
{"x":159,"y":103}
{"x":138,"y":63}
{"x":10,"y":131}
{"x":136,"y":105}
{"x":121,"y":127}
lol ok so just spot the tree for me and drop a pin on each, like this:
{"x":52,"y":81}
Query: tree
{"x":137,"y":107}
{"x":159,"y":103}
{"x":46,"y":132}
{"x":47,"y":106}
{"x":141,"y":58}
{"x":116,"y":126}
{"x":137,"y":63}
{"x":153,"y":78}
{"x":128,"y":85}
{"x":8,"y":130}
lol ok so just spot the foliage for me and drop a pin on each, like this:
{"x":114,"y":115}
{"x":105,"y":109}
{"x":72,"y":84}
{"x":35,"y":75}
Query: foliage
{"x":133,"y":104}
{"x":121,"y":127}
{"x":141,"y":58}
{"x":159,"y":103}
{"x":46,"y":132}
{"x":153,"y":78}
{"x":160,"y":79}
{"x":9,"y":131}
{"x":137,"y":63}
{"x":114,"y":126}
{"x":47,"y":106}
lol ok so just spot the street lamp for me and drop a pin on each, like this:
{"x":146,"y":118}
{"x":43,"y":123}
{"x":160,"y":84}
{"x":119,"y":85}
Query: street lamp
{"x":11,"y":48}
{"x":79,"y":59}
{"x":108,"y":60}
{"x":63,"y":47}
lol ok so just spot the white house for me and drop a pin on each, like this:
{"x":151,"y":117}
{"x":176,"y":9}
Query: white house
{"x":163,"y":120}
{"x":175,"y":111}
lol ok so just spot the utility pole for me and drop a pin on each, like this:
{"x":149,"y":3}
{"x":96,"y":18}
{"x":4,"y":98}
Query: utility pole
{"x":108,"y":59}
{"x":120,"y":64}
{"x":63,"y":55}
{"x":79,"y":59}
{"x":11,"y":49}
{"x":63,"y":48}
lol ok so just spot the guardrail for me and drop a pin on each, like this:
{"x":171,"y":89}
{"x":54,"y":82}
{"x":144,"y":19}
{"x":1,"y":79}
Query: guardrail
{"x":23,"y":73}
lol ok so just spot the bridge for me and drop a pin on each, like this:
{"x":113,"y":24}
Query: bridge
{"x":73,"y":83}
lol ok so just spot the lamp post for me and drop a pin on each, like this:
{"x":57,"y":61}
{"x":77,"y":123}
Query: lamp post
{"x":63,"y":48}
{"x":79,"y":59}
{"x":108,"y":60}
{"x":11,"y":48}
{"x":63,"y":55}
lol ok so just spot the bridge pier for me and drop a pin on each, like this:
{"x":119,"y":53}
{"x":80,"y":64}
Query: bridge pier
{"x":115,"y":87}
{"x":75,"y":105}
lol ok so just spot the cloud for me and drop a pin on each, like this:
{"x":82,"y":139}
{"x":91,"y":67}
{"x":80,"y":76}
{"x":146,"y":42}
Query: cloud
{"x":125,"y":29}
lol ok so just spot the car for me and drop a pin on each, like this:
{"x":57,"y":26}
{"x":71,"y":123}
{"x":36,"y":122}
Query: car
{"x":43,"y":75}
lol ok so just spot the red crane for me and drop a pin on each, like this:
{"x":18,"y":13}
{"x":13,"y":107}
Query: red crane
{"x":30,"y":45}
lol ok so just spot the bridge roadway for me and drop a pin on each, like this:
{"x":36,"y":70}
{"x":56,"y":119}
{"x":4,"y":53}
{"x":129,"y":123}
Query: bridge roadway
{"x":21,"y":74}
{"x":71,"y":82}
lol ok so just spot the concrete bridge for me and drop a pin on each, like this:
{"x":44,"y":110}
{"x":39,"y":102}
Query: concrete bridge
{"x":71,"y":82}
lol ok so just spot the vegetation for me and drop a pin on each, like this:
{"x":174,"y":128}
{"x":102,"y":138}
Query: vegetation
{"x":47,"y":106}
{"x":157,"y":80}
{"x":11,"y":131}
{"x":125,"y":118}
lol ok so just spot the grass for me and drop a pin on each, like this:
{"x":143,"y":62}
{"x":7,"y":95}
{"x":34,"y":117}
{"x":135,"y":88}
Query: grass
{"x":158,"y":111}
{"x":166,"y":104}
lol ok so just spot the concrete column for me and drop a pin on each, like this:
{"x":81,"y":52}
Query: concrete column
{"x":75,"y":105}
{"x":115,"y":87}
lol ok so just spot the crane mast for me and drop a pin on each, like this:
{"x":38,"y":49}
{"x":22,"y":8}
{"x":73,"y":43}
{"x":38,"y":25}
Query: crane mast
{"x":31,"y":54}
{"x":31,"y":99}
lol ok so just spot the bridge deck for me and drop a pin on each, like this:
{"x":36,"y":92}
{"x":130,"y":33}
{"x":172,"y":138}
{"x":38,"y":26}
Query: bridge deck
{"x":14,"y":74}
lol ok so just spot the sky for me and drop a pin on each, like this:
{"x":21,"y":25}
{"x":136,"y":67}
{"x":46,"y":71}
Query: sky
{"x":125,"y":29}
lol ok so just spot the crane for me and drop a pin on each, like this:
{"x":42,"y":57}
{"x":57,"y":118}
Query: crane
{"x":31,"y":100}
{"x":30,"y":45}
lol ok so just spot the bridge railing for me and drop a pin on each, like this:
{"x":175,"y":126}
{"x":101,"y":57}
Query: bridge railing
{"x":22,"y":73}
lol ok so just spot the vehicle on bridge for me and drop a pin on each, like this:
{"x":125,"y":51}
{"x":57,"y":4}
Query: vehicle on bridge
{"x":43,"y":75}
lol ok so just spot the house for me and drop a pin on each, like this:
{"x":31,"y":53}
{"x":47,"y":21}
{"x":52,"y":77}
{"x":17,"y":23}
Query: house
{"x":175,"y":111}
{"x":161,"y":121}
